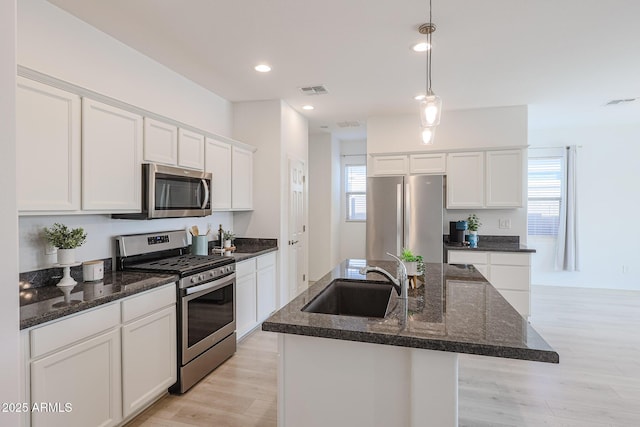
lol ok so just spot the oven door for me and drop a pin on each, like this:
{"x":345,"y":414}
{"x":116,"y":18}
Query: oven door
{"x":208,"y":315}
{"x":175,"y":192}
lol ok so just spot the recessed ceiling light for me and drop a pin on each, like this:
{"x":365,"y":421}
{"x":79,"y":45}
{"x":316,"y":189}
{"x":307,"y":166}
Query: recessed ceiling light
{"x":421,"y":47}
{"x":307,"y":107}
{"x":262,"y":68}
{"x":419,"y":97}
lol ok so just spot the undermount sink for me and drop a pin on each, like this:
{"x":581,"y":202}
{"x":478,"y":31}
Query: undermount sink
{"x":352,"y":298}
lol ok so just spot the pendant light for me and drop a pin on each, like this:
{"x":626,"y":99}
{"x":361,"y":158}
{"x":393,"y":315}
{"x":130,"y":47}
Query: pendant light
{"x":431,"y":105}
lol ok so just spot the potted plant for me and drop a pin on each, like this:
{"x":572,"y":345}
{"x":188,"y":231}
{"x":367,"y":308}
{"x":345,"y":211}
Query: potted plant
{"x":66,"y":240}
{"x":228,"y":237}
{"x":473,"y":223}
{"x":413,"y":263}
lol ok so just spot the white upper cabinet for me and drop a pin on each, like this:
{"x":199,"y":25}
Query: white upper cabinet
{"x":427,"y":163}
{"x":504,"y":179}
{"x":190,"y":149}
{"x":48,"y":148}
{"x":241,"y":179}
{"x":111,"y":158}
{"x":491,"y":179}
{"x":218,"y":162}
{"x":465,"y":180}
{"x":160,"y":142}
{"x":388,"y":165}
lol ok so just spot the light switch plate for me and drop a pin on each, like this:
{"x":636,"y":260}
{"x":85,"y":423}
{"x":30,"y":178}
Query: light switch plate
{"x":504,"y":223}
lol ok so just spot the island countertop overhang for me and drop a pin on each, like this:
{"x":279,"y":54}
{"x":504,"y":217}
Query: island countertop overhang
{"x":455,"y":310}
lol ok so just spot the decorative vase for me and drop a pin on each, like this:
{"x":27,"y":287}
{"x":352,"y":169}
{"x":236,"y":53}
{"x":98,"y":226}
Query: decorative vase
{"x":227,"y":243}
{"x":473,"y":239}
{"x":66,"y":256}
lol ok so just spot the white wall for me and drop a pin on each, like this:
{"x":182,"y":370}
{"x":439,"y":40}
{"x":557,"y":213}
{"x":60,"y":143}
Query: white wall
{"x":9,"y":311}
{"x":460,"y":129}
{"x":56,"y":43}
{"x":353,"y":235}
{"x":608,"y":204}
{"x":100,"y":230}
{"x":324,"y":179}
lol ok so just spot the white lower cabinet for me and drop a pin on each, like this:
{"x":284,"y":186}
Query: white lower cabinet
{"x":509,"y":273}
{"x":102,"y":366}
{"x":83,"y":380}
{"x":148,"y":359}
{"x":245,"y":297}
{"x":256,"y":286}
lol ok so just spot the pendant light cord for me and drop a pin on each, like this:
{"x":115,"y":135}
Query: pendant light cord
{"x":429,"y":53}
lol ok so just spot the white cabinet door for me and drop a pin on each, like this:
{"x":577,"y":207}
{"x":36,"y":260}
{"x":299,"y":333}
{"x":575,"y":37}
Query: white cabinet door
{"x":427,"y":163}
{"x":111,"y":158}
{"x":241,"y":179}
{"x":245,"y":303}
{"x":266,"y":286}
{"x":190,"y":149}
{"x":465,"y":180}
{"x":160,"y":142}
{"x":504,"y":179}
{"x":218,"y":162}
{"x":388,"y":165}
{"x":48,"y":148}
{"x":148,"y":359}
{"x":87,"y":376}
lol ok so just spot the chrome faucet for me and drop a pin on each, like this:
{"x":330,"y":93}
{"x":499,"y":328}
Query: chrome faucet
{"x":400,"y":283}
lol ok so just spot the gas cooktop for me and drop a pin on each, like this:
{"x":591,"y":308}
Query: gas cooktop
{"x":183,"y":264}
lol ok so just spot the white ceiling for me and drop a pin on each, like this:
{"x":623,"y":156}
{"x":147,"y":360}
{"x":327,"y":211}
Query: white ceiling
{"x":564,"y":58}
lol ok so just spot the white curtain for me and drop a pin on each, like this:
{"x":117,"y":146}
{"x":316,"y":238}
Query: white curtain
{"x":567,"y":244}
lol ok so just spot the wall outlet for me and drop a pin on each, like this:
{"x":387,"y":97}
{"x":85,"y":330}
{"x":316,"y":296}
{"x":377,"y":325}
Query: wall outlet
{"x":504,"y":223}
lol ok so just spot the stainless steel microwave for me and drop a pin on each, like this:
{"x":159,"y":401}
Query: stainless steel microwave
{"x":171,"y":192}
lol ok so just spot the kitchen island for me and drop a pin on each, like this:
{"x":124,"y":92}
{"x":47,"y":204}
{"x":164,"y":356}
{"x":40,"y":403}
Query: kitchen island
{"x":399,"y":370}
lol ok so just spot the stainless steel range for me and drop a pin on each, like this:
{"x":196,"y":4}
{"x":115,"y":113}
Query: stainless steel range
{"x":206,"y":298}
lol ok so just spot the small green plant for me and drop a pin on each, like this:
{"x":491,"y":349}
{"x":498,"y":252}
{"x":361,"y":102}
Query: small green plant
{"x":408,"y":256}
{"x":473,"y":222}
{"x":60,"y":236}
{"x":228,"y":235}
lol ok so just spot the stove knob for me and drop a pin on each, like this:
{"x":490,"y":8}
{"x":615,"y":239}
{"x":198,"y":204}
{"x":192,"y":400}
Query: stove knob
{"x":211,"y":274}
{"x":228,"y":269}
{"x":221,"y":271}
{"x":194,"y":279}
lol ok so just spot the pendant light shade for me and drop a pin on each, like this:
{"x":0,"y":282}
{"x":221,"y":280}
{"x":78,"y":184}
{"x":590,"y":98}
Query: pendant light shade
{"x":430,"y":108}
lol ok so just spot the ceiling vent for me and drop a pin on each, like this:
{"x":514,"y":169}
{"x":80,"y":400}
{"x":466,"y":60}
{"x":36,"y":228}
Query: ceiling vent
{"x":620,"y":101}
{"x":314,"y":90}
{"x":348,"y":124}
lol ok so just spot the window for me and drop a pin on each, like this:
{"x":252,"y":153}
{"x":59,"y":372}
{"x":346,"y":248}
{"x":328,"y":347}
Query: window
{"x":356,"y":191}
{"x":545,"y":193}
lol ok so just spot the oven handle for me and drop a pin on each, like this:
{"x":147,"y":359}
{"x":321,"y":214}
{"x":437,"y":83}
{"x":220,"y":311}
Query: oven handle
{"x":211,"y":286}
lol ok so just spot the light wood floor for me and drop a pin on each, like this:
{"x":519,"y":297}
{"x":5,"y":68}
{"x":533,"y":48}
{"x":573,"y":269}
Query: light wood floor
{"x":597,"y":383}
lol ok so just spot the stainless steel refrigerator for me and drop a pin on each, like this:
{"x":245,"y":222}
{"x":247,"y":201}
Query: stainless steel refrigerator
{"x":405,"y":212}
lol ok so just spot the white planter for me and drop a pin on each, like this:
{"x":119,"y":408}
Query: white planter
{"x":66,"y":256}
{"x":227,"y":243}
{"x":412,"y":267}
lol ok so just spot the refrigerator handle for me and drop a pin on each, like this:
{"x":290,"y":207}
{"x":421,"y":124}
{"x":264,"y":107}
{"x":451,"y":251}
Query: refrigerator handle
{"x":407,"y":215}
{"x":399,"y":219}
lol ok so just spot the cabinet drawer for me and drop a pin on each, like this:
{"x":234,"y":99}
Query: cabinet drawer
{"x":245,"y":267}
{"x":64,"y":332}
{"x":148,"y":302}
{"x":518,"y":299}
{"x":503,"y":258}
{"x":267,"y":260}
{"x":468,"y":257}
{"x":510,"y":277}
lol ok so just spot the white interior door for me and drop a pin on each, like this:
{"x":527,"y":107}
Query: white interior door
{"x":297,"y":273}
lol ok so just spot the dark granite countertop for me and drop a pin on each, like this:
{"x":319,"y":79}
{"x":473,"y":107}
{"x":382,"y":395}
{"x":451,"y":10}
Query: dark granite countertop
{"x":456,"y":310}
{"x":43,"y":304}
{"x":247,"y":248}
{"x":491,"y":243}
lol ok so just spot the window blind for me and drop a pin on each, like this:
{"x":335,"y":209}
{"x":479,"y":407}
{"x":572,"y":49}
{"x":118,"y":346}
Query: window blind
{"x":545,"y":177}
{"x":356,"y":192}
